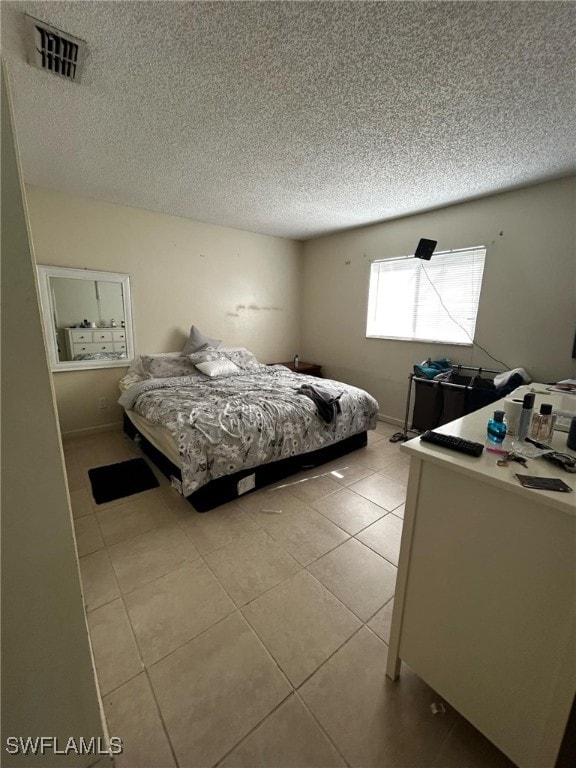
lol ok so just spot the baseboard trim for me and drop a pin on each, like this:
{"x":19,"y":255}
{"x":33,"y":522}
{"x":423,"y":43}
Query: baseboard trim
{"x":390,"y":420}
{"x":114,"y":427}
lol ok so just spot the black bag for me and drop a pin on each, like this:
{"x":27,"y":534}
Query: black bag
{"x":427,"y":405}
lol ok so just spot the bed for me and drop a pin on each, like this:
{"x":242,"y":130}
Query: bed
{"x":220,"y":424}
{"x":100,"y":356}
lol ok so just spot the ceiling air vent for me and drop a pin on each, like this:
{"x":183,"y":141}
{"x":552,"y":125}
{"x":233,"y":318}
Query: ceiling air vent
{"x":55,"y":51}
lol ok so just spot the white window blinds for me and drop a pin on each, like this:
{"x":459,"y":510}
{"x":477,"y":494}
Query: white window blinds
{"x":419,"y":300}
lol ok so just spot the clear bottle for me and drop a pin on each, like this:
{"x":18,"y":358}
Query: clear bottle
{"x":296,"y":361}
{"x":542,"y":427}
{"x":496,"y":432}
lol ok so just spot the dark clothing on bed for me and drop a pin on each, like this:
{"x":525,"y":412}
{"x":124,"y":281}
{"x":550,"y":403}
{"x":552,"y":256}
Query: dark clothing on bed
{"x":327,"y":405}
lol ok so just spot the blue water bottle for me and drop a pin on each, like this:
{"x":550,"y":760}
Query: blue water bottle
{"x":496,"y":432}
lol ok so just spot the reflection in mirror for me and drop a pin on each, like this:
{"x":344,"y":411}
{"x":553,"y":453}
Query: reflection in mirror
{"x":87,"y":318}
{"x":87,"y":304}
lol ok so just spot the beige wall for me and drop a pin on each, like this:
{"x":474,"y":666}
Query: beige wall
{"x":245,"y":288}
{"x":48,"y":683}
{"x":527,"y":313}
{"x":237,"y":286}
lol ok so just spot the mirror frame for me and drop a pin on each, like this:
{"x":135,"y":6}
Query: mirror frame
{"x":44,"y":275}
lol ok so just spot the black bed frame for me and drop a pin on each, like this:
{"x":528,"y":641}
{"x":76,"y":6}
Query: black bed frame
{"x":225,"y":489}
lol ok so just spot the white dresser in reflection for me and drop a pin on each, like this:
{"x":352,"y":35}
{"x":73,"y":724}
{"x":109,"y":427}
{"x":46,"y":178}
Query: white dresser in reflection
{"x":79,"y":341}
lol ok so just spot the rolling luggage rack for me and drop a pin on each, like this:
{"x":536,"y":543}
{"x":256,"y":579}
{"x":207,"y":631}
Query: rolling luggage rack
{"x":491,"y":394}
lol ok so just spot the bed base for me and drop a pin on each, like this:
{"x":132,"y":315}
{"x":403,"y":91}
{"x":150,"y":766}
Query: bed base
{"x":225,"y":489}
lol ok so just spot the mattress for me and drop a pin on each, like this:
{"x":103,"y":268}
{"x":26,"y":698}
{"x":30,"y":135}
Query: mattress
{"x":156,"y":434}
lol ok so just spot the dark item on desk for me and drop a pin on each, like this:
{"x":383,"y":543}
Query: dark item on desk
{"x":511,"y":456}
{"x":563,"y":460}
{"x":571,"y":442}
{"x":453,"y":443}
{"x":544,"y":483}
{"x":542,"y":446}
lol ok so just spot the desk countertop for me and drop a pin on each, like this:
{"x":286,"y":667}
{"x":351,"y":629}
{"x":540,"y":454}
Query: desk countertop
{"x":485,"y":469}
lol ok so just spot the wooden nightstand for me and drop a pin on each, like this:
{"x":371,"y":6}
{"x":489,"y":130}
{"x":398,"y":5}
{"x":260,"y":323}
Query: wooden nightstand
{"x":310,"y":369}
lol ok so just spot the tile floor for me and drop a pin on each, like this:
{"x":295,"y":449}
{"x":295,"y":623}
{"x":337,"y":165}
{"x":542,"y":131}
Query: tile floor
{"x":256,"y":634}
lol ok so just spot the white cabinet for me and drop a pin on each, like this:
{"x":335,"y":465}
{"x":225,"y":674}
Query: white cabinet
{"x":81,"y":341}
{"x":485,"y":606}
{"x":101,"y":335}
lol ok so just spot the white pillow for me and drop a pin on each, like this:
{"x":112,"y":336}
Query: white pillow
{"x":214,"y":368}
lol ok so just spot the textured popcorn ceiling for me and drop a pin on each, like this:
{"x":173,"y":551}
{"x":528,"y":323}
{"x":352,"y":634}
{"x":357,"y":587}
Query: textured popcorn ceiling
{"x":298,"y":118}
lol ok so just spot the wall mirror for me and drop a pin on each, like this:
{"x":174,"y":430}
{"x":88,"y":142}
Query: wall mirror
{"x":87,"y":318}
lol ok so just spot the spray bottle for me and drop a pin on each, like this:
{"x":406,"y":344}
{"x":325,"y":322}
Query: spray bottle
{"x":526,"y":416}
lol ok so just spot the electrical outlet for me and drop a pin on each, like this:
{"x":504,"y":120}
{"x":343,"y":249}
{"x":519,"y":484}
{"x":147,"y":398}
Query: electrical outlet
{"x":102,"y":402}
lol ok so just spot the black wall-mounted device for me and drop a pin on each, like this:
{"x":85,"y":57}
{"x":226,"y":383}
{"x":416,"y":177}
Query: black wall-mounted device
{"x":425,"y":249}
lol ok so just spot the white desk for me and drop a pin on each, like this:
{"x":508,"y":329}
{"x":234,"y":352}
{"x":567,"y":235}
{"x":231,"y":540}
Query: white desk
{"x":485,"y":607}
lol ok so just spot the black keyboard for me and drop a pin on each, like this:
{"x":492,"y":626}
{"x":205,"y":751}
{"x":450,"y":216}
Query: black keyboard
{"x":452,"y":442}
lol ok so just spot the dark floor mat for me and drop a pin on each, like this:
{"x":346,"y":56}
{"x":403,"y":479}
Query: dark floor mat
{"x":118,"y":480}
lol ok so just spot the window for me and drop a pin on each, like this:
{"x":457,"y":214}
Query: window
{"x":434,"y":300}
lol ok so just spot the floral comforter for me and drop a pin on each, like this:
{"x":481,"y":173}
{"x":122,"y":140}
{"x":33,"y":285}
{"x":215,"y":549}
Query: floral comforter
{"x":226,"y":424}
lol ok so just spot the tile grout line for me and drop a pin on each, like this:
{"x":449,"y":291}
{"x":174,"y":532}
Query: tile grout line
{"x":385,"y":512}
{"x":319,"y":724}
{"x":336,"y":597}
{"x":145,"y":671}
{"x":188,"y":639}
{"x":378,"y":611}
{"x":117,"y":687}
{"x":370,"y":546}
{"x":161,"y":718}
{"x":274,"y":662}
{"x":216,"y":549}
{"x":364,"y":621}
{"x":268,"y":653}
{"x":344,"y":642}
{"x":176,"y":567}
{"x":327,"y":659}
{"x":348,"y":535}
{"x":133,"y":634}
{"x":285,"y":578}
{"x":76,"y":535}
{"x":89,"y":610}
{"x":376,"y":635}
{"x":140,"y":533}
{"x":255,"y":728}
